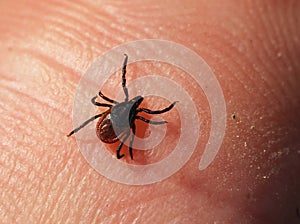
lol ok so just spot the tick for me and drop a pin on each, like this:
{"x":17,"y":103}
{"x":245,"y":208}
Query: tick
{"x":118,"y":121}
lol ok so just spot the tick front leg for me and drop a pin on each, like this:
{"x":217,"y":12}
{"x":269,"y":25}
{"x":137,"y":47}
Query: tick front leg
{"x":120,"y":146}
{"x":124,"y":78}
{"x":106,"y":98}
{"x":93,"y":100}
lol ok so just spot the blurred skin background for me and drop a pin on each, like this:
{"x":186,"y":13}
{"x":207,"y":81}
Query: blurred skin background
{"x":253,"y":47}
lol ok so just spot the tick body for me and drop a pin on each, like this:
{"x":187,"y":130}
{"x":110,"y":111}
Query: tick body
{"x":118,"y":122}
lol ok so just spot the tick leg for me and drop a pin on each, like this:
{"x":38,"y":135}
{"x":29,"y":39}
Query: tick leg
{"x":121,"y":144}
{"x":107,"y":99}
{"x":123,"y":77}
{"x":157,"y":111}
{"x":85,"y":123}
{"x":93,"y":100}
{"x":131,"y":141}
{"x":149,"y":121}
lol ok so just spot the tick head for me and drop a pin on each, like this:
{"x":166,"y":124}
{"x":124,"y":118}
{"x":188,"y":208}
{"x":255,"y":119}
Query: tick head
{"x":136,"y":101}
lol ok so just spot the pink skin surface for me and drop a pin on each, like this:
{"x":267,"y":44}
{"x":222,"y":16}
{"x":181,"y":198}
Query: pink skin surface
{"x":253,"y":49}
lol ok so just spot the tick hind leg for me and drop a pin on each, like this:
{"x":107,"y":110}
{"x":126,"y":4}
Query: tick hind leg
{"x":85,"y":124}
{"x":121,"y":144}
{"x":149,"y":121}
{"x":93,"y":100}
{"x":148,"y":111}
{"x":131,"y":141}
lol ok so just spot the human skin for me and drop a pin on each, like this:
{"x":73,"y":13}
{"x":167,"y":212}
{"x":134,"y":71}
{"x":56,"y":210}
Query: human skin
{"x":253,"y":49}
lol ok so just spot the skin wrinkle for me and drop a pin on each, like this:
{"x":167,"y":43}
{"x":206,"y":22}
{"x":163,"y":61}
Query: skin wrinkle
{"x":63,"y":205}
{"x":36,"y":117}
{"x":40,"y":49}
{"x":69,"y":62}
{"x":66,"y":22}
{"x":243,"y":59}
{"x":49,"y":62}
{"x":291,"y":32}
{"x":239,"y":56}
{"x":96,"y":19}
{"x":15,"y":195}
{"x":36,"y":100}
{"x":142,"y":212}
{"x":129,"y":208}
{"x":55,"y":196}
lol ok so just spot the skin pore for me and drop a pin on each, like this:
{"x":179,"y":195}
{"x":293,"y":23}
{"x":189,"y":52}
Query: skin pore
{"x":253,"y":49}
